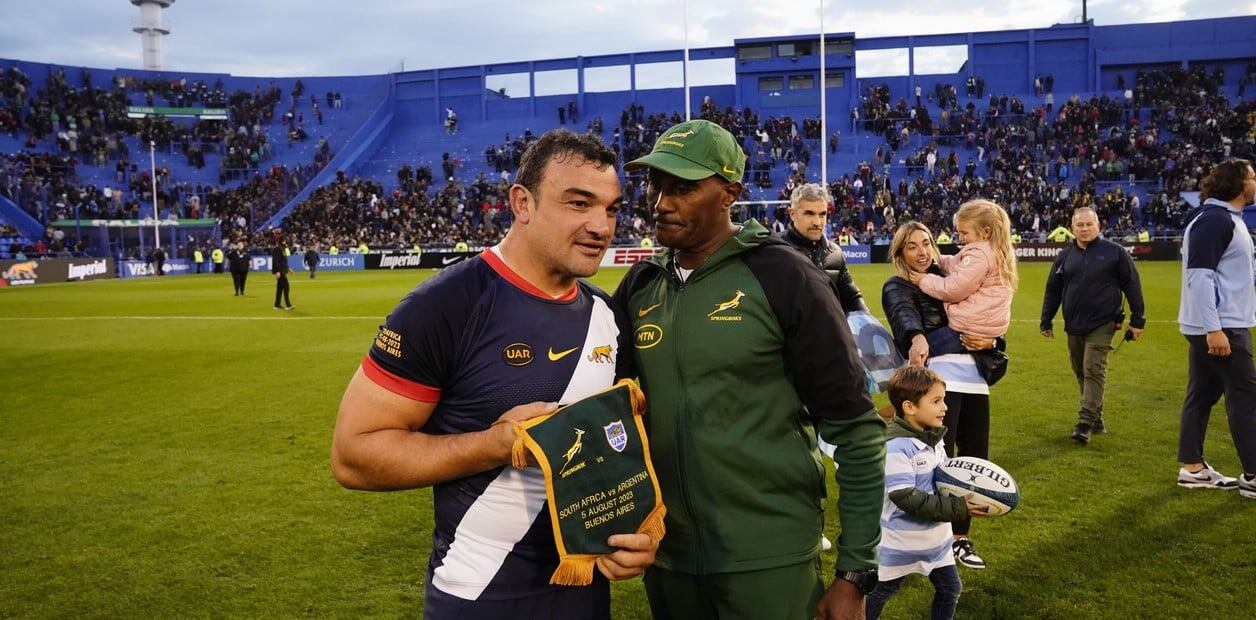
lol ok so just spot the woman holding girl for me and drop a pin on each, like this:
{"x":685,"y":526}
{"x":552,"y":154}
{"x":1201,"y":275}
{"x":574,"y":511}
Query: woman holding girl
{"x":951,"y":313}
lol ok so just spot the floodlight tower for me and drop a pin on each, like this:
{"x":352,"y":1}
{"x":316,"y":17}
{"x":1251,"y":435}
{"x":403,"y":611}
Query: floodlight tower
{"x":151,"y":29}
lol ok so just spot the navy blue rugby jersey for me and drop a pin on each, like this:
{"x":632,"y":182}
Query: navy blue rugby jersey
{"x":477,"y":339}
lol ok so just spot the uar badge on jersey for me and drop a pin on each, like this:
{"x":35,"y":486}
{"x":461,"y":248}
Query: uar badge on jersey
{"x":598,"y":476}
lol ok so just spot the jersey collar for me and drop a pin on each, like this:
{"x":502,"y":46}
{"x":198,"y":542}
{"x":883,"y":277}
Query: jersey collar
{"x":493,"y":256}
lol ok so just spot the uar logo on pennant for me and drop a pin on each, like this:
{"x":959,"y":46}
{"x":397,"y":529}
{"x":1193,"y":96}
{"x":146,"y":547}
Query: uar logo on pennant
{"x":616,"y":436}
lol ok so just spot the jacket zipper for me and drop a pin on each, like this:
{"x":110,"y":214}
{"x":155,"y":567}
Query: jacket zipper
{"x":682,"y":429}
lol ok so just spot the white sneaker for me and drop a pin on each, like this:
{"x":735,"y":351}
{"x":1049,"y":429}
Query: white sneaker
{"x":1206,"y":478}
{"x":826,"y":544}
{"x":1247,"y":486}
{"x":965,"y":555}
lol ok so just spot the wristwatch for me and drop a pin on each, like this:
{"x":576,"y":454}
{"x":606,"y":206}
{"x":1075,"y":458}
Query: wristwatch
{"x":865,"y":580}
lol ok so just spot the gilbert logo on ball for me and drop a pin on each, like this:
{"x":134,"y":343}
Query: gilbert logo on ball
{"x":989,"y":484}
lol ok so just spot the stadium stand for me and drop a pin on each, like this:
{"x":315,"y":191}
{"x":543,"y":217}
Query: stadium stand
{"x":1027,"y":120}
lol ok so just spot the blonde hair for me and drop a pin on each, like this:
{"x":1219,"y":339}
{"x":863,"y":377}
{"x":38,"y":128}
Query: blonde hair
{"x":986,"y":214}
{"x":900,"y":240}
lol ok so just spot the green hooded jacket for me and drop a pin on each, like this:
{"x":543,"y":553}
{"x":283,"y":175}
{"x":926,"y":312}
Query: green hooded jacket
{"x":743,"y":365}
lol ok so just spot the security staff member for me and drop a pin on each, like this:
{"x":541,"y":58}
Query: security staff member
{"x":238,"y":260}
{"x":1090,"y":276}
{"x":1060,"y":235}
{"x":809,"y":214}
{"x":279,"y":267}
{"x":198,"y":257}
{"x":216,"y":256}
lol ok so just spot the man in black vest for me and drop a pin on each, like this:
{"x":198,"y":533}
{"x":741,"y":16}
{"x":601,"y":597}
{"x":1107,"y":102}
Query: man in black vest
{"x":279,"y":267}
{"x":1090,"y":276}
{"x":311,"y":260}
{"x":238,"y":262}
{"x":809,"y":214}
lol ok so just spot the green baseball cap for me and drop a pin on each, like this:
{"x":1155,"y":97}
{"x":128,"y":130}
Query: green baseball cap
{"x":695,"y":150}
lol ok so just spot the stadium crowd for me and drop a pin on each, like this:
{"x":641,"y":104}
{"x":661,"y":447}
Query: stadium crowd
{"x":1128,"y":156}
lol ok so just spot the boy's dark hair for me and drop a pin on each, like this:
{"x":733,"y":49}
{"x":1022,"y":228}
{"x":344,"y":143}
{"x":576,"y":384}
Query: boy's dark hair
{"x":910,"y":383}
{"x":1225,"y":181}
{"x":559,"y":144}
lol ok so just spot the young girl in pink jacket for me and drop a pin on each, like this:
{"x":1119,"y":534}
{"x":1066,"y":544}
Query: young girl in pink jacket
{"x":979,"y":282}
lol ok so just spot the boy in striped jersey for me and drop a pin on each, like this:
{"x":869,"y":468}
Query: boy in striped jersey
{"x":916,"y":520}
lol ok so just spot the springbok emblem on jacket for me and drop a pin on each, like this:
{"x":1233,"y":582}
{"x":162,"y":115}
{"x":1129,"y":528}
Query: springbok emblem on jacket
{"x":728,"y":305}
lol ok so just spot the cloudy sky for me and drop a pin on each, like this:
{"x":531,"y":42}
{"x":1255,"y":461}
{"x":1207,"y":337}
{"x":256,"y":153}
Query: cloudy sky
{"x":287,"y":37}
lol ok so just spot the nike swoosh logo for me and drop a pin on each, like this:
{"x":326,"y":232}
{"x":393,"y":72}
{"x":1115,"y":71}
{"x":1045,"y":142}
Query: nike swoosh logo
{"x":450,"y":260}
{"x":554,"y":357}
{"x":644,"y":311}
{"x":727,"y":171}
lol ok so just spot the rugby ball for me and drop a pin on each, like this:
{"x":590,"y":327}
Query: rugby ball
{"x":988,"y":483}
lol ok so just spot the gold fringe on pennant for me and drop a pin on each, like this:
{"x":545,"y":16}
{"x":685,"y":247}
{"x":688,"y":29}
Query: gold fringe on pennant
{"x":575,"y":570}
{"x":653,"y":524}
{"x":519,"y":449}
{"x":636,"y":396}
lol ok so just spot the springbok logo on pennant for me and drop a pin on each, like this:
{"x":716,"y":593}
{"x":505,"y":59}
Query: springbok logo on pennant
{"x":616,"y":436}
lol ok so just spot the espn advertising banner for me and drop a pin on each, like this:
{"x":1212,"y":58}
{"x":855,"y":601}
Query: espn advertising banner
{"x":626,"y":257}
{"x":415,"y":260}
{"x":46,"y":270}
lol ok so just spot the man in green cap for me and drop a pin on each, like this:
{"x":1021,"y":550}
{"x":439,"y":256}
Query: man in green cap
{"x":749,"y":371}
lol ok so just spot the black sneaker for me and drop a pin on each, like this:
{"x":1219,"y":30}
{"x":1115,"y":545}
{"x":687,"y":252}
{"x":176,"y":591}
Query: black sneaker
{"x":1081,"y":433}
{"x":1098,"y":428}
{"x":964,"y":554}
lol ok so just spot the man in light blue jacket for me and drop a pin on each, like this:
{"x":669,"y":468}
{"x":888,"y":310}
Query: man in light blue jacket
{"x":1217,"y":310}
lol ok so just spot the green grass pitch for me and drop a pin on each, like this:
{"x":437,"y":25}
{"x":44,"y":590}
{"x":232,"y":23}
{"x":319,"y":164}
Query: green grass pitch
{"x":164,"y":453}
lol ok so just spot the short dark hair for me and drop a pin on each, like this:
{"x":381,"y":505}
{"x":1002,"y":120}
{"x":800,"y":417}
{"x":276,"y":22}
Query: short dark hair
{"x":911,"y":383}
{"x":1225,"y":181}
{"x":558,"y":145}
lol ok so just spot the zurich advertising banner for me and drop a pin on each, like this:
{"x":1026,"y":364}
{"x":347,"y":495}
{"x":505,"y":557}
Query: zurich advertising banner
{"x":327,"y":262}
